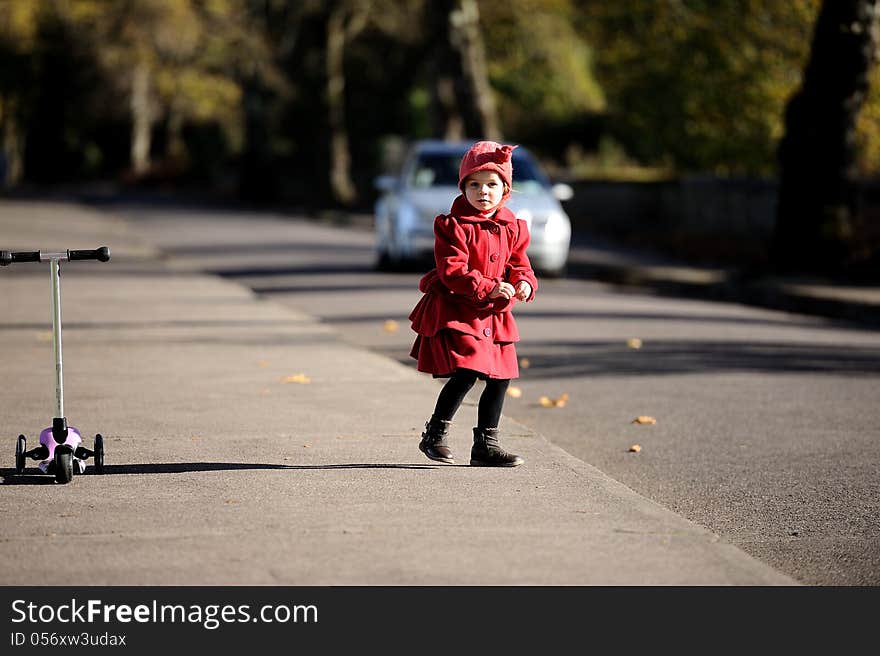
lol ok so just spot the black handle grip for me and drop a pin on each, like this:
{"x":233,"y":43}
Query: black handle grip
{"x":101,"y":254}
{"x":7,"y":257}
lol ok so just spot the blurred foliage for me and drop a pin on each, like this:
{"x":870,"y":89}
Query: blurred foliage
{"x":539,"y":65}
{"x":868,"y":130}
{"x":697,"y":84}
{"x":236,"y":90}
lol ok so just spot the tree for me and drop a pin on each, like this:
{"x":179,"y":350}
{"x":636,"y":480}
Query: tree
{"x":134,"y":37}
{"x":18,"y":30}
{"x":177,"y":61}
{"x":266,"y":32}
{"x":467,"y":40}
{"x":346,"y":23}
{"x":699,"y":85}
{"x":541,"y":68}
{"x":462,"y":100}
{"x":347,"y":19}
{"x":817,"y":156}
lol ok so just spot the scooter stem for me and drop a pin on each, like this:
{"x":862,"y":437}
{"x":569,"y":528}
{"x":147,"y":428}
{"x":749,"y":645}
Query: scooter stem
{"x":54,"y":270}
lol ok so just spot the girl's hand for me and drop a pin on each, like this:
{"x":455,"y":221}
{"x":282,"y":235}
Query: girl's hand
{"x":523,"y":290}
{"x":502,"y":290}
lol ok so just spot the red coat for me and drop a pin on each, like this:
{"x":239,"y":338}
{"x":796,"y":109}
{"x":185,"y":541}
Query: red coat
{"x":458,"y":325}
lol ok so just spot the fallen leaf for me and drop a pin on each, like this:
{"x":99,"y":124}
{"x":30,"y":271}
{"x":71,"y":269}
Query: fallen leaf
{"x":547,"y":402}
{"x":524,"y":363}
{"x":391,"y":326}
{"x":263,"y":363}
{"x":644,"y":420}
{"x":307,"y":446}
{"x":515,"y":392}
{"x":634,"y":343}
{"x":635,"y":448}
{"x":297,"y":378}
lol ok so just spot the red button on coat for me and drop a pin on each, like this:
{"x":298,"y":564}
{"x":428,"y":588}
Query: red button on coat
{"x":494,"y":257}
{"x":487,"y":331}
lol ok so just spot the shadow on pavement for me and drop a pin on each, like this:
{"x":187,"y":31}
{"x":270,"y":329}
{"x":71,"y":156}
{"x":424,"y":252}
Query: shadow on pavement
{"x":308,"y":288}
{"x":32,"y":478}
{"x":311,"y":247}
{"x":529,"y":314}
{"x":601,"y":358}
{"x":271,"y":271}
{"x":575,"y":359}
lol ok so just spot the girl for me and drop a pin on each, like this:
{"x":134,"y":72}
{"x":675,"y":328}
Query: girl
{"x":464,"y":325}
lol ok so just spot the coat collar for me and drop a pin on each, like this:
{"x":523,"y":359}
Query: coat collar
{"x":464,"y":211}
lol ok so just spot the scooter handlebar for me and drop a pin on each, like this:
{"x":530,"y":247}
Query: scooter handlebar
{"x":8,"y":257}
{"x":101,"y":254}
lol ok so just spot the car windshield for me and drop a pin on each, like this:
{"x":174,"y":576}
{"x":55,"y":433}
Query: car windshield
{"x":440,"y":169}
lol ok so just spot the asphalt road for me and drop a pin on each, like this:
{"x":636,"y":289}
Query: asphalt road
{"x":766,"y":428}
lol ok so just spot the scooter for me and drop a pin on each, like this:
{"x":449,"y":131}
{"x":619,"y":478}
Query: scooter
{"x":61,"y":451}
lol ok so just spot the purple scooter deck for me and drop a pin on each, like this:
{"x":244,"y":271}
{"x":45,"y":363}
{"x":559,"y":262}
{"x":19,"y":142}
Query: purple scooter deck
{"x":74,"y":439}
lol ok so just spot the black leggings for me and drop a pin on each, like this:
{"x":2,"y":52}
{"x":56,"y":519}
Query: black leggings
{"x":459,"y":384}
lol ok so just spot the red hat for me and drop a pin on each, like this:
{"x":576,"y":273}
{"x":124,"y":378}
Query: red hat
{"x":487,"y":156}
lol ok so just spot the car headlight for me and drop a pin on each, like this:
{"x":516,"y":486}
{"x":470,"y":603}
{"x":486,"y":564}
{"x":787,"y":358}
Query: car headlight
{"x":557,"y":227}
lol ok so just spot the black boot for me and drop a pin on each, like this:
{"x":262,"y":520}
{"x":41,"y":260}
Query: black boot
{"x":433,"y":442}
{"x":486,"y":451}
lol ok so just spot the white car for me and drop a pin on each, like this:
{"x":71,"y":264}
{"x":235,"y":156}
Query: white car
{"x":428,"y":183}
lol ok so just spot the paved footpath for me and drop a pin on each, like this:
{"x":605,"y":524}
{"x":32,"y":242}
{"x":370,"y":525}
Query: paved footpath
{"x":246,"y":444}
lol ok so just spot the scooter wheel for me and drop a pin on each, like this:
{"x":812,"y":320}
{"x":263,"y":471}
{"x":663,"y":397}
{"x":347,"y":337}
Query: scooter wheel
{"x":63,"y":465}
{"x":99,"y":454}
{"x":20,"y":448}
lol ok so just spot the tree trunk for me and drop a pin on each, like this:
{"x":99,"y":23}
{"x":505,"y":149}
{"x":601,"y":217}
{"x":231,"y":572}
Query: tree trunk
{"x":462,"y":103}
{"x":341,"y":185}
{"x":257,"y":178}
{"x":467,"y":39}
{"x":817,"y":206}
{"x":175,"y":148}
{"x":142,"y":120}
{"x":449,"y":123}
{"x":13,"y":144}
{"x":444,"y":70}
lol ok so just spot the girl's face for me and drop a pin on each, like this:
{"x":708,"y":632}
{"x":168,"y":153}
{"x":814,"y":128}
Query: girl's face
{"x":484,"y":190}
